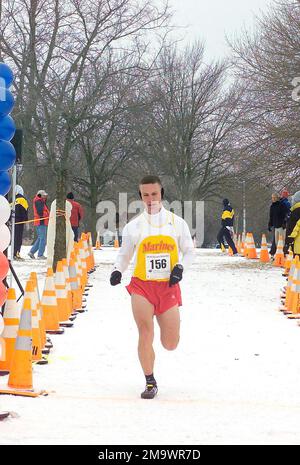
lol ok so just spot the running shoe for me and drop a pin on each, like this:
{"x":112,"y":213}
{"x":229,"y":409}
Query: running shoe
{"x":150,"y":391}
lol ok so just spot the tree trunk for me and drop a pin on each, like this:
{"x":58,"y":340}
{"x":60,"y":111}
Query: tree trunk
{"x":60,"y":249}
{"x":93,"y":216}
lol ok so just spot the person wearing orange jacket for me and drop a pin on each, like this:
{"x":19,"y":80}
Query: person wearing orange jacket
{"x":41,"y":219}
{"x":21,"y":216}
{"x":76,"y":215}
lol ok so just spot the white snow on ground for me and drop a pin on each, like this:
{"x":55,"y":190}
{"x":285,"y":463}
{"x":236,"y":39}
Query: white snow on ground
{"x":234,"y":379}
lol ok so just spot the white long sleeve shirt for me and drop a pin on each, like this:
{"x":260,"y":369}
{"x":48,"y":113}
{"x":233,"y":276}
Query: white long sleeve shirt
{"x":152,"y":239}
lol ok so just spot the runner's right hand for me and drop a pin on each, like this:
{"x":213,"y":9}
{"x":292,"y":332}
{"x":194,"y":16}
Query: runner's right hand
{"x":115,"y":278}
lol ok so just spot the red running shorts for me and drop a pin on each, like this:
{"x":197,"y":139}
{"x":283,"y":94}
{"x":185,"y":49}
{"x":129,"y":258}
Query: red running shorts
{"x":158,"y":293}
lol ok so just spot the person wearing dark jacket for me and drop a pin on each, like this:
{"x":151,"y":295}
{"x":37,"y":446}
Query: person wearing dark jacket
{"x":277,"y":222}
{"x":226,"y":230}
{"x":293,"y":225}
{"x":284,"y":200}
{"x":76,"y":215}
{"x":21,"y":214}
{"x":287,"y":211}
{"x":41,"y":220}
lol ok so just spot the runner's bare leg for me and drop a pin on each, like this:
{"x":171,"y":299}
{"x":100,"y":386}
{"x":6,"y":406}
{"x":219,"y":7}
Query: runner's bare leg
{"x":169,"y":323}
{"x":143,"y":312}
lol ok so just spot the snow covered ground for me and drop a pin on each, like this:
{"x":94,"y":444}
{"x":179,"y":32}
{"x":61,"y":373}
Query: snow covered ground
{"x":234,"y":378}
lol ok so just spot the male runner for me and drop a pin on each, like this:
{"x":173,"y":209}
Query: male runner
{"x":227,"y":220}
{"x":157,"y":236}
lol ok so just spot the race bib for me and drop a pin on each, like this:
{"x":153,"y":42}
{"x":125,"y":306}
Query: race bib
{"x":156,"y":257}
{"x":158,"y":266}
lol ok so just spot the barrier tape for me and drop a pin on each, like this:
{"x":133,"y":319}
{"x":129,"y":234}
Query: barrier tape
{"x":58,"y":213}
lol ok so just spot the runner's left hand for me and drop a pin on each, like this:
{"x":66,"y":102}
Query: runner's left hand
{"x":176,"y":274}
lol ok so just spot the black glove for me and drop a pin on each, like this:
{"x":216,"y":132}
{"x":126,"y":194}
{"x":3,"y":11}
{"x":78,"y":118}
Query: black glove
{"x":176,"y":274}
{"x":115,"y":278}
{"x":289,"y":240}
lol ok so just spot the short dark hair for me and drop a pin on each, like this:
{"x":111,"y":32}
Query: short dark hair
{"x":70,"y":195}
{"x":150,"y":179}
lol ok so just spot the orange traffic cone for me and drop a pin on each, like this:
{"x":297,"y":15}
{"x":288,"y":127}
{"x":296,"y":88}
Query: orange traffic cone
{"x":91,"y":253}
{"x":246,"y":245}
{"x":75,"y":289}
{"x":33,"y":277}
{"x":83,"y":265}
{"x":82,"y":249}
{"x":11,"y":317}
{"x":36,"y":333}
{"x":288,"y":263}
{"x":116,"y":241}
{"x":251,"y":249}
{"x":287,"y":307}
{"x":62,"y":296}
{"x":279,"y":255}
{"x":98,"y":242}
{"x":242,"y":252}
{"x":20,"y":377}
{"x":68,"y":287}
{"x":88,"y":257}
{"x":85,"y":270}
{"x":295,"y":299}
{"x":49,"y":305}
{"x":264,"y":256}
{"x":88,"y":252}
{"x":80,"y":276}
{"x":79,"y":273}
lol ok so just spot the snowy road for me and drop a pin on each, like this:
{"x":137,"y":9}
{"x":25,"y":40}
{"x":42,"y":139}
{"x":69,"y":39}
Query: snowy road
{"x":234,"y":378}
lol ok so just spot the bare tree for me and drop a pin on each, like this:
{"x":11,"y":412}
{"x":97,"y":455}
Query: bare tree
{"x":266,"y":64}
{"x":52,"y":44}
{"x":107,"y":143}
{"x":186,"y":133}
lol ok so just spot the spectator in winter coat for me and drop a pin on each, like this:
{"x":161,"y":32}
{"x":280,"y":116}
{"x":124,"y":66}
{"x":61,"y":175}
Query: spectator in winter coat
{"x":287,"y":211}
{"x":284,"y":200}
{"x":41,"y":219}
{"x":277,"y":222}
{"x":226,"y":230}
{"x":293,"y":225}
{"x":76,"y":215}
{"x":21,"y":214}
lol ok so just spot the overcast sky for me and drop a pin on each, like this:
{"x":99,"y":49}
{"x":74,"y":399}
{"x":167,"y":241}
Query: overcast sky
{"x":209,"y":20}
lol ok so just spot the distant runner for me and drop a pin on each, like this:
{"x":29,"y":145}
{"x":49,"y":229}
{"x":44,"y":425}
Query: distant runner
{"x":226,"y":230}
{"x":163,"y":249}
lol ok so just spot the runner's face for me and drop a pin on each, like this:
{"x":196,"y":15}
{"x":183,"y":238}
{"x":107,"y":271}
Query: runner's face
{"x":151,"y":196}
